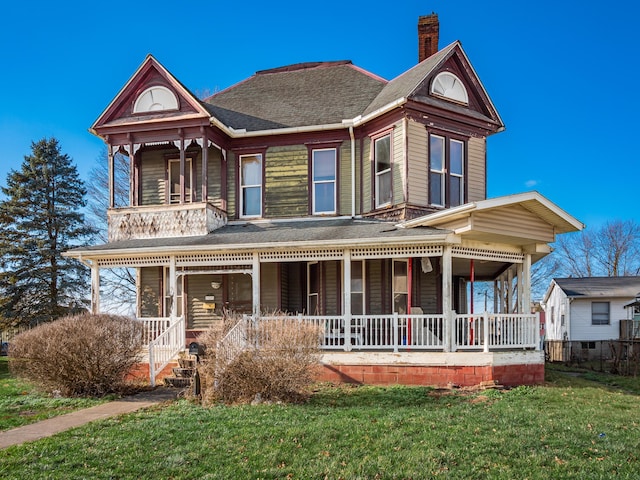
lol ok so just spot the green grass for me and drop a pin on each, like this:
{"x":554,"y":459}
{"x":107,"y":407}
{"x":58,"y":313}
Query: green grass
{"x":21,"y":403}
{"x":572,"y":427}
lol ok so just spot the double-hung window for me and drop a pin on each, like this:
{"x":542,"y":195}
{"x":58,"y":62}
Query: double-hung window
{"x":600,"y":313}
{"x":446,"y":171}
{"x":382,"y":160}
{"x":324,"y":180}
{"x":251,"y":185}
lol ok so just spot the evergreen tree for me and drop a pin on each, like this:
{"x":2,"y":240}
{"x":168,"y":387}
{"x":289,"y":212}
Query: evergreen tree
{"x":40,"y":218}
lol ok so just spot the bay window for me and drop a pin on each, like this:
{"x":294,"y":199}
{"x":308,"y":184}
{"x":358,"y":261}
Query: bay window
{"x":446,"y":171}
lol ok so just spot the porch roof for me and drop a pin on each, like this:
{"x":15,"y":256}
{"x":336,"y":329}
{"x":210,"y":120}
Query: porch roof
{"x":277,"y":234}
{"x":517,"y":219}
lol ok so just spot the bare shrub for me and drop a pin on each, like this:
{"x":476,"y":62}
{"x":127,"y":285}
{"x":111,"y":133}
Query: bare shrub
{"x":272,"y":360}
{"x":80,"y":355}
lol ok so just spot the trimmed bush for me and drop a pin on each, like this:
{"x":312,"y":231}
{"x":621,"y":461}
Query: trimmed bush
{"x":80,"y":355}
{"x":274,"y":361}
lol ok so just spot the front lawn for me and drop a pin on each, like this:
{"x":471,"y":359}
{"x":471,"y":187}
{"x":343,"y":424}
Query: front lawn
{"x":570,"y":428}
{"x":21,"y":403}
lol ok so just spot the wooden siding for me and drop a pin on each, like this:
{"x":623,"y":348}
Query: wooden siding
{"x":344,"y":179}
{"x":293,"y":287}
{"x":232,"y":171}
{"x":269,"y":287}
{"x":214,"y":173}
{"x":514,"y":221}
{"x":476,"y":170}
{"x":367,"y":176}
{"x":197,"y":287}
{"x":149,"y":291}
{"x":286,"y":182}
{"x":152,"y":182}
{"x":417,"y":176}
{"x":331,"y":287}
{"x":374,"y":302}
{"x":398,"y":167}
{"x":429,"y":284}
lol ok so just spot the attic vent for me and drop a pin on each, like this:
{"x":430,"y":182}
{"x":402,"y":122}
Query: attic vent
{"x":155,"y":99}
{"x":447,"y":85}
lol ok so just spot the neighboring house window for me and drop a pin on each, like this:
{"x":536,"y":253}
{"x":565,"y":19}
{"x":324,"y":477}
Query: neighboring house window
{"x":600,"y":313}
{"x":323,"y":172}
{"x":251,"y":185}
{"x":174,"y":180}
{"x":382,"y":160}
{"x":446,"y":171}
{"x":357,"y":287}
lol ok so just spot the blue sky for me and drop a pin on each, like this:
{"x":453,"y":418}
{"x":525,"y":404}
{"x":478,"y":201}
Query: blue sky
{"x":561,"y":74}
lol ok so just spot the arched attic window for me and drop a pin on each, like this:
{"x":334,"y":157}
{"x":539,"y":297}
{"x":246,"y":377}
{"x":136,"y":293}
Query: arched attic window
{"x":155,"y":99}
{"x":447,"y":85}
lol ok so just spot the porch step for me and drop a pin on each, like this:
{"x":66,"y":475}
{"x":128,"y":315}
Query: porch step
{"x":177,"y":382}
{"x":183,"y":374}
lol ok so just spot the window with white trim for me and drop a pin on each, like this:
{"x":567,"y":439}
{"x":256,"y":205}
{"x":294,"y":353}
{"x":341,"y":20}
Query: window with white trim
{"x":400,"y":286}
{"x":382,"y":161}
{"x":357,"y":287}
{"x":251,"y":185}
{"x":446,"y":171}
{"x":600,"y":313}
{"x":323,"y":174}
{"x":174,"y":180}
{"x":167,"y":293}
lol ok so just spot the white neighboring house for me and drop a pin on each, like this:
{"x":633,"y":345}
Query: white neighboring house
{"x":588,"y":309}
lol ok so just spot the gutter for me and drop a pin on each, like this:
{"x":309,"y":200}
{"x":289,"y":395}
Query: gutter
{"x":359,"y":120}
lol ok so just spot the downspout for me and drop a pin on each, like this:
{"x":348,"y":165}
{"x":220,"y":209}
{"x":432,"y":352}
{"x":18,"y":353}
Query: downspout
{"x":353,"y":172}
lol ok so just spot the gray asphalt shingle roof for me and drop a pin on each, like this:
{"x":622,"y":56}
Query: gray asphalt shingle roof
{"x":600,"y":286}
{"x":299,"y":95}
{"x":239,"y":236}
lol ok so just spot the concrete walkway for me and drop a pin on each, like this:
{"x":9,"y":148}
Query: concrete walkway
{"x":51,"y":426}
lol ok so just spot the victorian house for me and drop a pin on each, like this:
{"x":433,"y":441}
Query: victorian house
{"x":336,"y":196}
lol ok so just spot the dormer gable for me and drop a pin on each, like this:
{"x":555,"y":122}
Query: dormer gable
{"x":152,"y":94}
{"x":452,"y":84}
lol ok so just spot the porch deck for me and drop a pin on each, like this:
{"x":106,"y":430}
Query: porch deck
{"x":477,"y":342}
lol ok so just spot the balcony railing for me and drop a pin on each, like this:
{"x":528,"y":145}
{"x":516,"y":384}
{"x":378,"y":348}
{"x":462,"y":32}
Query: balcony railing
{"x":161,"y":221}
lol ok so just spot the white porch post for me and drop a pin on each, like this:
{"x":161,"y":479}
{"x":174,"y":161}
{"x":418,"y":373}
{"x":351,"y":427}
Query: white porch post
{"x":173,"y":287}
{"x":347,"y":298}
{"x":520,"y":288}
{"x":447,"y":295}
{"x":95,"y":287}
{"x":255,"y":283}
{"x":526,"y":284}
{"x":509,"y":290}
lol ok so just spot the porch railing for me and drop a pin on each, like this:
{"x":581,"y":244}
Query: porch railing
{"x":481,"y":332}
{"x":164,"y":348}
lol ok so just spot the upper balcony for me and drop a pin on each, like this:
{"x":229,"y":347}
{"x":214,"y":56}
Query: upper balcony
{"x":162,"y":221}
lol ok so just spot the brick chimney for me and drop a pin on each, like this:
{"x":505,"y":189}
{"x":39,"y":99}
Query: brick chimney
{"x":428,"y":30}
